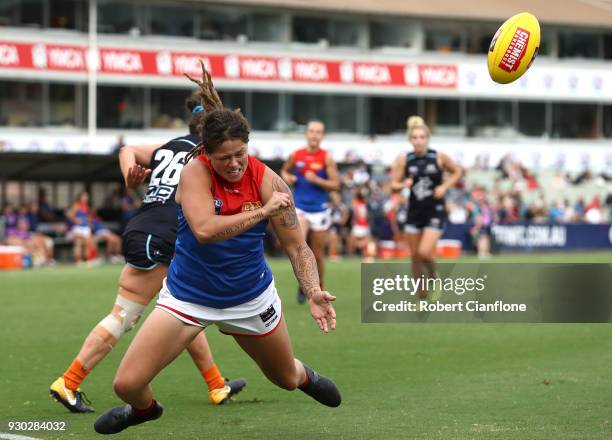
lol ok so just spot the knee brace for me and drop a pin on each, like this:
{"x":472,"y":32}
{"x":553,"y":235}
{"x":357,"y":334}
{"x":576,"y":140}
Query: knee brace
{"x":125,"y":320}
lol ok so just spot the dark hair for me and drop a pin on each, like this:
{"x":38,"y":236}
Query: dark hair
{"x":195,"y":121}
{"x":219,"y":124}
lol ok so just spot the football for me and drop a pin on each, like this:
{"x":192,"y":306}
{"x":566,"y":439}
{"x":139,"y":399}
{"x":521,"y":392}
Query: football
{"x":514,"y":48}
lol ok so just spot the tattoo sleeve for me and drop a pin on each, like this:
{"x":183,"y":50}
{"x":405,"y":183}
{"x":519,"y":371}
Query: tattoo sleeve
{"x":288,"y":216}
{"x":305,"y":268}
{"x":239,"y":228}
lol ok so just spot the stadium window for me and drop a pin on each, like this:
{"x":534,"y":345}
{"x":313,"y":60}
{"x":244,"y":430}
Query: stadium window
{"x":344,"y":33}
{"x":607,"y":42}
{"x":223,"y":24}
{"x":479,"y":37}
{"x":547,"y":43}
{"x":579,"y":45}
{"x":489,"y":119}
{"x":21,"y":104}
{"x":172,"y":20}
{"x":574,"y":121}
{"x":120,"y":107}
{"x":9,"y":13}
{"x":62,"y":104}
{"x":117,"y":17}
{"x":235,"y":100}
{"x":336,"y":111}
{"x":66,"y":14}
{"x":32,"y":13}
{"x":266,"y":111}
{"x":444,"y":116}
{"x":607,"y":121}
{"x":400,"y":34}
{"x":267,"y":27}
{"x":532,"y":118}
{"x":388,"y":115}
{"x":444,"y":38}
{"x":310,"y":29}
{"x":168,"y":108}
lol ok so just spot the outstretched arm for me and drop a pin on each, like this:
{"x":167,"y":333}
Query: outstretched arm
{"x":133,"y":161}
{"x":287,"y":228}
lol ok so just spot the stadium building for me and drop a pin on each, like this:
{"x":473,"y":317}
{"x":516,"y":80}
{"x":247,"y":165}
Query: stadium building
{"x":82,"y":76}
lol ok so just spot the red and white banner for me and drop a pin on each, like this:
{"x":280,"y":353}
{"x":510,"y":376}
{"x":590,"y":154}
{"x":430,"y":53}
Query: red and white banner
{"x":465,"y":79}
{"x":165,"y":63}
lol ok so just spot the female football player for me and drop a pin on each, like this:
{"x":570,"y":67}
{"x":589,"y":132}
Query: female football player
{"x":148,"y":247}
{"x":422,"y":172}
{"x":219,"y":274}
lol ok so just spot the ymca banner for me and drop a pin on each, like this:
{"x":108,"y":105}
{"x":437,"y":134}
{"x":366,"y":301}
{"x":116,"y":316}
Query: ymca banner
{"x":529,"y":236}
{"x":170,"y":63}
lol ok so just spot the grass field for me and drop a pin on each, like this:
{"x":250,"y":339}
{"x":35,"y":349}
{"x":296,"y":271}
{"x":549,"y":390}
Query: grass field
{"x":400,"y":381}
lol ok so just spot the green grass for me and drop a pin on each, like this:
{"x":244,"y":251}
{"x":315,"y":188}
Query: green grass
{"x":398,"y":381}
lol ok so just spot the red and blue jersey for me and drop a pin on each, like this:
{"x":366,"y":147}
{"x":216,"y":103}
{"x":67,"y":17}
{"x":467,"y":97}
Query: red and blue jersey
{"x":308,"y":196}
{"x":230,"y":272}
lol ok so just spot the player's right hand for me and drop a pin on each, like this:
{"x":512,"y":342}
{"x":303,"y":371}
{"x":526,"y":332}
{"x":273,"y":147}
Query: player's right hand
{"x":136,"y":175}
{"x":278,"y":202}
{"x":322,"y":311}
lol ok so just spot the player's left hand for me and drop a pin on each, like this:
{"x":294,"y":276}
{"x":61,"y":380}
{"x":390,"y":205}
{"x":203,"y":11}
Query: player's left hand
{"x":322,"y":311}
{"x":311,"y":176}
{"x":440,"y":191}
{"x":136,"y":175}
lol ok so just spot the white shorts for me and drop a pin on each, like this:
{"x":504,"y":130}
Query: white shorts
{"x":82,"y":231}
{"x":317,"y":221}
{"x":360,"y":231}
{"x":258,"y":317}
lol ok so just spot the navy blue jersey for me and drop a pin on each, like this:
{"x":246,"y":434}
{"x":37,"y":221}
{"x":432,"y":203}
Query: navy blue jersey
{"x":426,"y":175}
{"x":158,"y":213}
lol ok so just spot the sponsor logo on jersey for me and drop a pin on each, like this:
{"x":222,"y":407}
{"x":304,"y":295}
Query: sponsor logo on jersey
{"x":251,"y":206}
{"x":218,"y":205}
{"x":300,"y":164}
{"x":431,"y":168}
{"x":316,"y":166}
{"x":413,"y":169}
{"x":269,"y":316}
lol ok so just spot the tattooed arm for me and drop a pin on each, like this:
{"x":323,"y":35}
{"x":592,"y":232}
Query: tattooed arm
{"x":194,"y":195}
{"x":287,"y":228}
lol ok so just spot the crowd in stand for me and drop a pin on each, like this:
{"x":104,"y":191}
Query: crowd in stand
{"x":365,"y":212}
{"x":38,"y":228}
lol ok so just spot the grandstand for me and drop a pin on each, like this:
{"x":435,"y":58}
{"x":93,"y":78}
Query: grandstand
{"x":78,"y":78}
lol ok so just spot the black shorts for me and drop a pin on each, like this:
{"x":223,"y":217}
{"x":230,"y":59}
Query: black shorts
{"x":145,"y":251}
{"x":430,"y":219}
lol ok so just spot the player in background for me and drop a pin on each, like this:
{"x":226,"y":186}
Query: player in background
{"x":313,"y":173}
{"x":219,"y":274}
{"x":422,"y":172}
{"x":80,"y":230}
{"x":148,"y":247}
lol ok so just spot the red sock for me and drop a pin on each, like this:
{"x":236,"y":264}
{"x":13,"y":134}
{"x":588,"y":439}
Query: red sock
{"x":142,"y":412}
{"x":213,"y":378}
{"x":74,"y":375}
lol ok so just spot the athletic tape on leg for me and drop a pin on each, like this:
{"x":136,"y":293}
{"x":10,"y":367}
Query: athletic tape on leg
{"x":126,"y":319}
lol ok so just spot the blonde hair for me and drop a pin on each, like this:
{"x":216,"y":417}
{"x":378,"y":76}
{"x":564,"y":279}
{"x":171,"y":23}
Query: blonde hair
{"x":414,"y":122}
